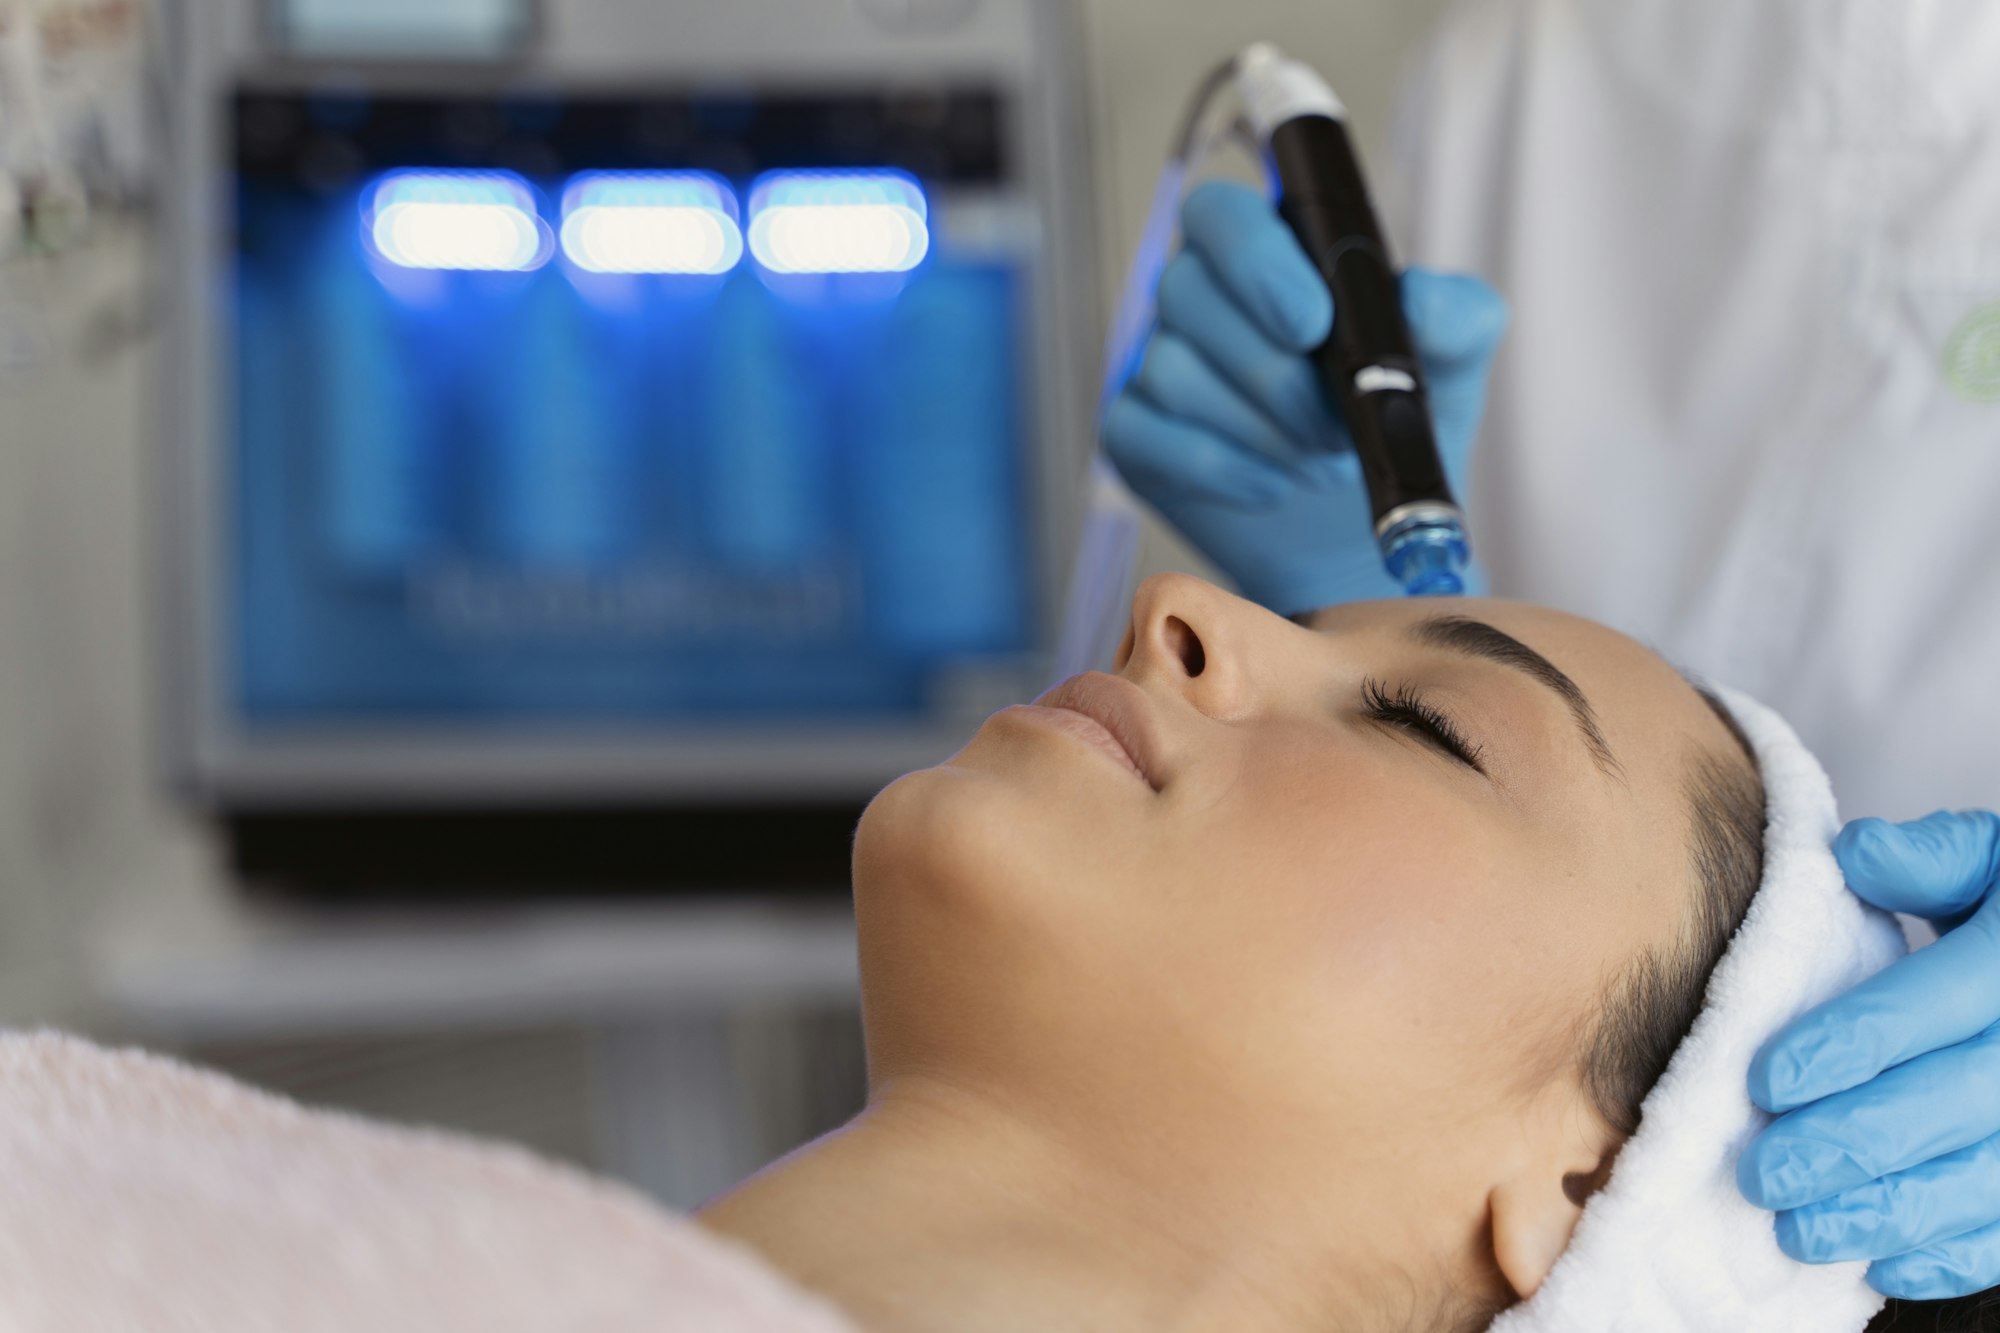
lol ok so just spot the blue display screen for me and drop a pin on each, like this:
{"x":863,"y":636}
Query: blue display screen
{"x":481,"y":472}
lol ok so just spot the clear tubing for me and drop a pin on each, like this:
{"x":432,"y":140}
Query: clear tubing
{"x":1101,"y":576}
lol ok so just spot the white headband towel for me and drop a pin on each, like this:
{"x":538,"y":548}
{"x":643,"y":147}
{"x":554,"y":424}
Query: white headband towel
{"x":1669,"y":1245}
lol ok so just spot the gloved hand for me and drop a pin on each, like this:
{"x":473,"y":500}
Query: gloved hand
{"x":1889,"y":1148}
{"x":1225,"y":430}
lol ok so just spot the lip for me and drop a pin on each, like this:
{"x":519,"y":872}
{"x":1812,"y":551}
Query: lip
{"x":1119,"y":710}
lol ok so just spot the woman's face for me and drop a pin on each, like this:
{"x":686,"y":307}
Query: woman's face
{"x":1268,"y":890}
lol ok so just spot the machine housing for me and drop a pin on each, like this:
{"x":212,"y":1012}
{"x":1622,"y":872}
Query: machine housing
{"x":570,"y":575}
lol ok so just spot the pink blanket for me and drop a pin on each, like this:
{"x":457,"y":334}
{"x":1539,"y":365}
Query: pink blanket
{"x":139,"y":1194}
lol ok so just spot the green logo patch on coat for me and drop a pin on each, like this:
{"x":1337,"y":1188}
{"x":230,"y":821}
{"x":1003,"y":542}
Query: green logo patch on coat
{"x":1972,"y":356}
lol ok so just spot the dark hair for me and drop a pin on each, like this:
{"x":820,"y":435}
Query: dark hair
{"x":1650,"y":1008}
{"x":1653,"y":1003}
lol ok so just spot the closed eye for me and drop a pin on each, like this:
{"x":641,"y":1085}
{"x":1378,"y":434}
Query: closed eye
{"x":1405,"y":708}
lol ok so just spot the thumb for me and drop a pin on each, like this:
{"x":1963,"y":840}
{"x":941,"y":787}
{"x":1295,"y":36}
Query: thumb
{"x":1942,"y":865}
{"x":1456,"y":322}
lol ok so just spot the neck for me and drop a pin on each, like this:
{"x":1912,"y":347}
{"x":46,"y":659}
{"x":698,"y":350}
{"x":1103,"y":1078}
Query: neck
{"x":934,"y":1209}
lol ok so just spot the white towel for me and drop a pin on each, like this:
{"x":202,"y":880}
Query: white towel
{"x":1669,"y":1245}
{"x":140,"y":1196}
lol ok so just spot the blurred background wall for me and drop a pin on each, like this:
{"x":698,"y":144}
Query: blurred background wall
{"x":96,"y":860}
{"x":1146,"y":54}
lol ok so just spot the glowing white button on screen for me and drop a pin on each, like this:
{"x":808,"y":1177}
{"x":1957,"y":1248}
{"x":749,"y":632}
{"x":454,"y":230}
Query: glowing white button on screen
{"x":651,"y":240}
{"x":468,"y":236}
{"x":839,"y":238}
{"x":448,"y":220}
{"x":836,"y":222}
{"x":661,"y":222}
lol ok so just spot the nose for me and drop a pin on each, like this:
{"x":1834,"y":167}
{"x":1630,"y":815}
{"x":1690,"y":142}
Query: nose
{"x":1189,"y":637}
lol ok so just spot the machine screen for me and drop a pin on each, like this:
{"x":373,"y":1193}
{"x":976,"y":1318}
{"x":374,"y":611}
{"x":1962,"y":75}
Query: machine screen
{"x":629,"y":409}
{"x":470,"y":29}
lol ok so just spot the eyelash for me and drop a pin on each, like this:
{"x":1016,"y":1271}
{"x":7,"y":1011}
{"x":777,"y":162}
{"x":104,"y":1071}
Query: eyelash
{"x":1409,"y":710}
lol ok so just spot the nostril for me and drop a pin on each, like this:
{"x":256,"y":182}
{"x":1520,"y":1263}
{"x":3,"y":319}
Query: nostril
{"x":1186,"y":645}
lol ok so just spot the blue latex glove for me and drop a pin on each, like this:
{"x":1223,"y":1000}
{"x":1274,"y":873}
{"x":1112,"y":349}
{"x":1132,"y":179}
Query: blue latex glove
{"x":1226,"y":432}
{"x":1889,"y":1148}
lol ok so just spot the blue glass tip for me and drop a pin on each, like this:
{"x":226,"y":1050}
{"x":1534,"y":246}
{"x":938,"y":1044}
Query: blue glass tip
{"x":1428,"y":556}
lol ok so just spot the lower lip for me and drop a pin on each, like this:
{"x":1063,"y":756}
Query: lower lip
{"x":1086,"y":729}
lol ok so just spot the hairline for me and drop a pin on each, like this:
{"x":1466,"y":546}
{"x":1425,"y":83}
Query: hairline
{"x":1718,"y":787}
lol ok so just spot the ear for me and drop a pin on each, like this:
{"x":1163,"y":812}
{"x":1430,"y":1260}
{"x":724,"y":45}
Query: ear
{"x":1533,"y":1216}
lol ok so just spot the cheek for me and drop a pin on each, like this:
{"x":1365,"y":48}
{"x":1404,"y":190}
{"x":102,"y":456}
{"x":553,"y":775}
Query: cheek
{"x":1347,"y":836}
{"x":1363,"y":913}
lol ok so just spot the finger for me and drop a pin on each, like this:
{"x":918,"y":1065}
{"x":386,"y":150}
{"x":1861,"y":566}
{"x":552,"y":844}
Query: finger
{"x":1938,"y":1104}
{"x":1456,"y":320}
{"x":1933,"y":1201}
{"x":1180,"y":382}
{"x":1938,"y":866}
{"x":1259,"y":263}
{"x":1937,"y":997}
{"x":1280,"y":381}
{"x":1165,"y":460}
{"x":1956,"y":1267}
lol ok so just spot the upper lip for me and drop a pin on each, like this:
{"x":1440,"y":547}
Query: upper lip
{"x":1120,"y":707}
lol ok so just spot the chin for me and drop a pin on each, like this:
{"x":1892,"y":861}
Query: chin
{"x":930,"y":833}
{"x":935,"y":908}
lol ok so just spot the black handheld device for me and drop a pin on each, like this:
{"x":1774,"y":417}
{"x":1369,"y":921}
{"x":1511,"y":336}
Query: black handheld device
{"x":1369,"y":364}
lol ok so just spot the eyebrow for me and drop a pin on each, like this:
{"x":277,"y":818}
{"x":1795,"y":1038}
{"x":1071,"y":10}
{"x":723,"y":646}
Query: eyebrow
{"x":1476,"y":638}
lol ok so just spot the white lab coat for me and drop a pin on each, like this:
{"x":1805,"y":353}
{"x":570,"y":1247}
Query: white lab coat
{"x":1749,"y":410}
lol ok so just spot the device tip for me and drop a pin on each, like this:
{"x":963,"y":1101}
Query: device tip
{"x":1435,"y":583}
{"x":1428,"y":556}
